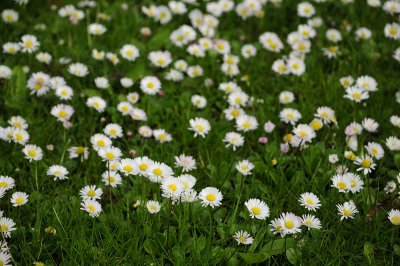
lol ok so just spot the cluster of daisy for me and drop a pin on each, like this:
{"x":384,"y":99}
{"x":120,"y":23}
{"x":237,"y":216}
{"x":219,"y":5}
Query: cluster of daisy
{"x":359,"y":89}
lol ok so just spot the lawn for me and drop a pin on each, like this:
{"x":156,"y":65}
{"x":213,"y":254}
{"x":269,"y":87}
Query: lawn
{"x":199,"y":132}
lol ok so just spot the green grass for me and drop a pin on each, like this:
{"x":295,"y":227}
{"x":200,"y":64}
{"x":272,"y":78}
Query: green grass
{"x":189,"y":234}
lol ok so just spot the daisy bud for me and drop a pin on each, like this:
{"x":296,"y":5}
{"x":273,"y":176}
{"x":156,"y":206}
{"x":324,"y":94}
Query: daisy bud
{"x":161,"y":93}
{"x":74,"y":20}
{"x":349,"y":131}
{"x":103,"y":119}
{"x":208,"y":82}
{"x":284,"y":147}
{"x":132,"y":153}
{"x":129,"y":134}
{"x":124,"y":6}
{"x":50,"y":147}
{"x":67,"y":124}
{"x":145,"y":31}
{"x":269,"y":127}
{"x":263,"y":140}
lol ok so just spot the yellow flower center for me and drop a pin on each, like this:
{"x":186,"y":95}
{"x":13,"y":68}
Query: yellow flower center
{"x":128,"y":168}
{"x":19,"y":201}
{"x":110,"y":155}
{"x":346,"y":212}
{"x":32,"y":153}
{"x":172,"y":187}
{"x":200,"y":128}
{"x":309,"y":201}
{"x":157,"y":171}
{"x":143,"y":167}
{"x":4,"y":228}
{"x":91,"y":193}
{"x":62,"y":114}
{"x":341,"y":185}
{"x":3,"y":184}
{"x":289,"y":224}
{"x":395,"y":219}
{"x":101,"y":143}
{"x":111,"y":179}
{"x":256,"y":210}
{"x":28,"y":43}
{"x":150,"y":85}
{"x":356,"y":95}
{"x":365,"y":163}
{"x":246,"y":124}
{"x":91,"y":208}
{"x":80,"y":150}
{"x":210,"y":197}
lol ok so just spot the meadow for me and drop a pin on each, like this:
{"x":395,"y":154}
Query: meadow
{"x":197,"y":132}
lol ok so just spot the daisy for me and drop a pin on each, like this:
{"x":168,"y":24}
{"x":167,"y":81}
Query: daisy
{"x":238,"y":98}
{"x":189,"y":195}
{"x":143,"y":163}
{"x":39,"y":84}
{"x":20,"y":136}
{"x":172,"y":187}
{"x":346,"y":81}
{"x":158,"y":171}
{"x":257,"y":209}
{"x":113,"y":131}
{"x":246,"y":123}
{"x":200,"y":126}
{"x":98,"y":55}
{"x":188,"y":181}
{"x":210,"y":196}
{"x":160,"y":58}
{"x":113,"y":58}
{"x":296,"y":66}
{"x":92,"y":207}
{"x":370,"y":125}
{"x":100,"y":141}
{"x":199,"y":101}
{"x":341,"y":183}
{"x":280,"y":67}
{"x":187,"y":163}
{"x":392,"y":31}
{"x":101,"y":82}
{"x":58,"y":171}
{"x":366,"y":164}
{"x":194,"y":71}
{"x":248,"y":50}
{"x":78,"y":69}
{"x":375,"y":150}
{"x":129,"y":52}
{"x":29,"y":44}
{"x":18,"y":122}
{"x":6,"y":182}
{"x":394,"y":217}
{"x":90,"y":192}
{"x":347,"y":210}
{"x":354,"y":182}
{"x":128,"y":167}
{"x":138,"y":114}
{"x":392,"y":143}
{"x":98,"y":103}
{"x":245,"y":167}
{"x":110,"y":153}
{"x":11,"y":48}
{"x":62,"y":112}
{"x":367,"y":83}
{"x":327,"y":114}
{"x":233,"y":112}
{"x":304,"y":132}
{"x":305,"y":9}
{"x":290,"y":115}
{"x":75,"y":152}
{"x":161,"y":135}
{"x":309,"y":201}
{"x":310,"y":221}
{"x":97,"y":29}
{"x":7,"y":226}
{"x":286,"y":97}
{"x":111,"y":178}
{"x":233,"y":139}
{"x":5,"y":258}
{"x":356,"y":94}
{"x":125,"y":108}
{"x":19,"y":199}
{"x":64,"y":92}
{"x":242,"y":237}
{"x":153,"y":206}
{"x":290,"y":223}
{"x":132,"y":97}
{"x":150,"y":85}
{"x":9,"y":16}
{"x":32,"y":152}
